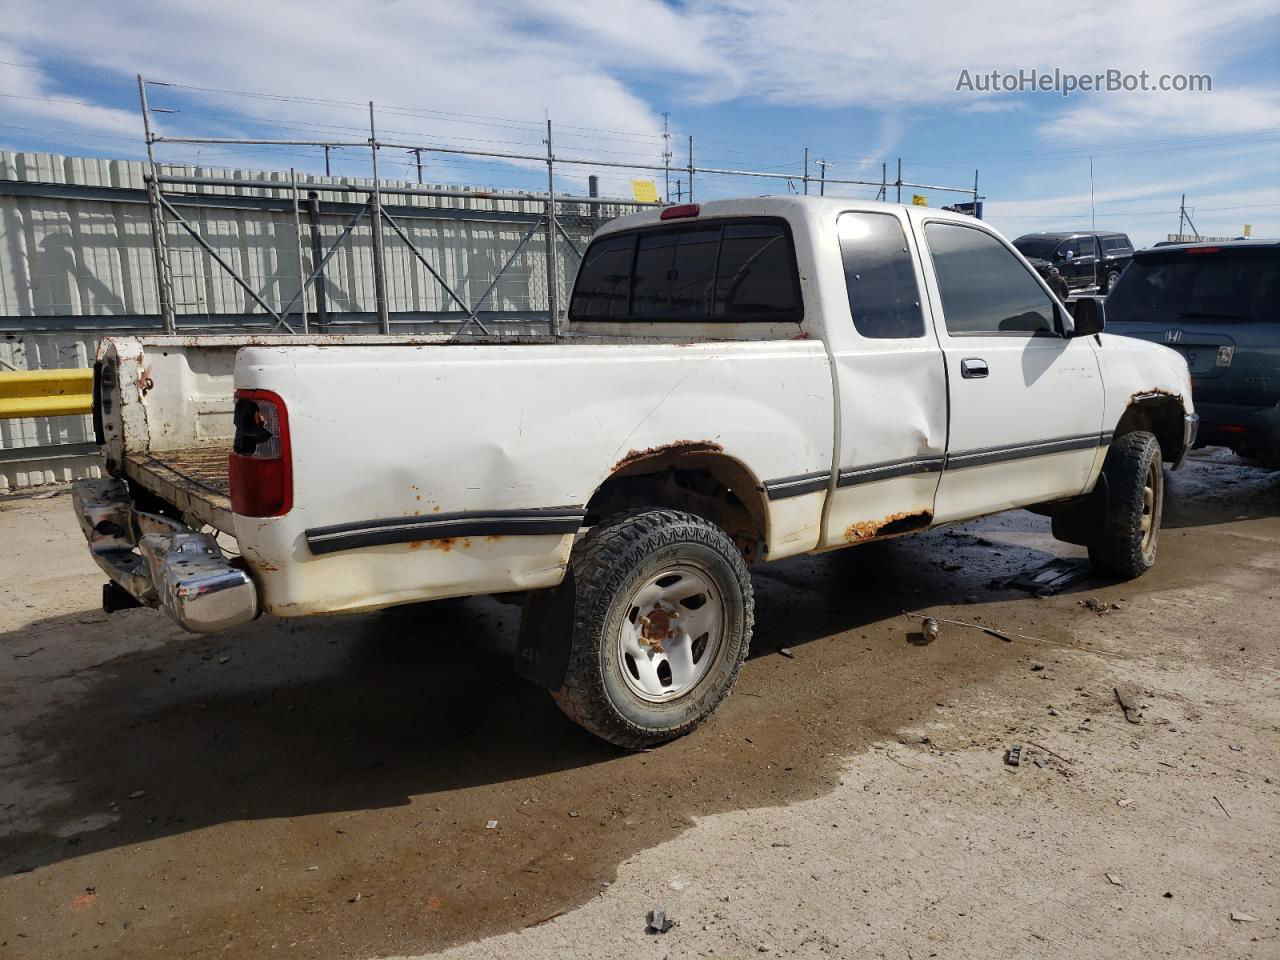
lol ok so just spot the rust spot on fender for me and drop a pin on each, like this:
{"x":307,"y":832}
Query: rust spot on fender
{"x":493,"y":538}
{"x":1151,"y":393}
{"x":894,"y":523}
{"x":680,"y":448}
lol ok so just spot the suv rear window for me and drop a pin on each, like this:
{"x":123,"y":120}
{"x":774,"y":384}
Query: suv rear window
{"x":726,"y":270}
{"x":1225,"y":286}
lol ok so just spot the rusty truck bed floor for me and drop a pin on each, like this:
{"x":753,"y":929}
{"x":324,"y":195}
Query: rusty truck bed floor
{"x":194,"y":479}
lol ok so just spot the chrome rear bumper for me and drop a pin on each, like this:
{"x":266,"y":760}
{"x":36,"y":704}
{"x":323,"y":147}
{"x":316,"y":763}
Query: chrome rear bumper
{"x":161,"y":562}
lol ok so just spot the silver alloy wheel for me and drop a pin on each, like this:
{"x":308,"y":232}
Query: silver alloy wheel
{"x":668,"y":639}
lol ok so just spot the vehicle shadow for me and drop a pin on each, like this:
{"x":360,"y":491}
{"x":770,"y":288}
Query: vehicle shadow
{"x":287,"y":718}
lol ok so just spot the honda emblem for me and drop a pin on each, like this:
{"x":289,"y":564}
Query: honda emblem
{"x":1173,"y":336}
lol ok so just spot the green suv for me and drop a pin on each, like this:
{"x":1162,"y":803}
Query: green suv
{"x":1218,"y":304}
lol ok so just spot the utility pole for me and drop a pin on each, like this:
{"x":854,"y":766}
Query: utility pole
{"x":691,"y":168}
{"x":326,"y":161}
{"x":417,"y":152}
{"x":1182,"y":213}
{"x":1093,"y":215}
{"x":666,"y":154}
{"x":822,"y":178}
{"x":805,"y":179}
{"x":679,"y":195}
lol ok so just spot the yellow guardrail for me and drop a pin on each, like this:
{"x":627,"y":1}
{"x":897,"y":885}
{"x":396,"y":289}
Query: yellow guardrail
{"x":45,"y":393}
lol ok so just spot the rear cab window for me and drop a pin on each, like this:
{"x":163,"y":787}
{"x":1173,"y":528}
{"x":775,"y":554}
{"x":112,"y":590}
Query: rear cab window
{"x":732,"y":270}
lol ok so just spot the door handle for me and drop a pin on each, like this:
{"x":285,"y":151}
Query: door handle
{"x":973,"y":368}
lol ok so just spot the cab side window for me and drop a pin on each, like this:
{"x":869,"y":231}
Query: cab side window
{"x":879,"y":277}
{"x":984,"y":288}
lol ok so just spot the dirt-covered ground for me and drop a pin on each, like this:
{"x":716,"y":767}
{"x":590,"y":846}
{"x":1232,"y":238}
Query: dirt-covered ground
{"x":322,"y":788}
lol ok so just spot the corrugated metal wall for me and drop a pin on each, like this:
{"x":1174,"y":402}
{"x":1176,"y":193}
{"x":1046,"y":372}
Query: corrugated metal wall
{"x":76,"y":262}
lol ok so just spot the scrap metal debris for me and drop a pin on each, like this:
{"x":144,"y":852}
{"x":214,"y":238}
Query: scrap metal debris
{"x":787,"y":652}
{"x":930,"y":630}
{"x":1129,"y":704}
{"x":1100,"y":607}
{"x":658,"y":922}
{"x":1113,"y":879}
{"x":1239,"y":917}
{"x":1053,"y":577}
{"x":1013,"y":756}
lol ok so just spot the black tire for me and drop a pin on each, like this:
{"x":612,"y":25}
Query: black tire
{"x":1112,"y":279}
{"x":614,"y":561}
{"x":1131,"y":528}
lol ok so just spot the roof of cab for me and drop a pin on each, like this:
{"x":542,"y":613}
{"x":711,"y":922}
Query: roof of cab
{"x":792,"y":207}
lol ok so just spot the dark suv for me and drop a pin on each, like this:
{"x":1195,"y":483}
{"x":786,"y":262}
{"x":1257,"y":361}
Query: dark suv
{"x":1218,"y":304}
{"x":1084,"y":259}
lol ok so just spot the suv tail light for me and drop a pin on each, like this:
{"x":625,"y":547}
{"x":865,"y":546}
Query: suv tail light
{"x":261,"y":465}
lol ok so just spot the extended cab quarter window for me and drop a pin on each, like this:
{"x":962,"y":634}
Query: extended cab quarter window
{"x":729,"y":270}
{"x":884,"y":297}
{"x":984,"y":287}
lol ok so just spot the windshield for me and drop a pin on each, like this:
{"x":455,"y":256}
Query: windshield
{"x":1221,"y":287}
{"x":1041,"y":247}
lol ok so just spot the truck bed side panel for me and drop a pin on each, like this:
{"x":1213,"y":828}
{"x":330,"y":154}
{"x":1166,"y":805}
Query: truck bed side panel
{"x":385,"y":434}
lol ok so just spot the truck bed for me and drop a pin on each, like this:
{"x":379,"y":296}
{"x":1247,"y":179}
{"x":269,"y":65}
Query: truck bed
{"x":192,"y":478}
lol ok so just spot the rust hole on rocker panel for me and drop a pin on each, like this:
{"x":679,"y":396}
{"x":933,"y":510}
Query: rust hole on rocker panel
{"x":888,"y":526}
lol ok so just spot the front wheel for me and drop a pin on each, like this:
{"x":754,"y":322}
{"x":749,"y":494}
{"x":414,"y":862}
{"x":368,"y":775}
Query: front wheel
{"x":1135,"y":502}
{"x":663,"y":612}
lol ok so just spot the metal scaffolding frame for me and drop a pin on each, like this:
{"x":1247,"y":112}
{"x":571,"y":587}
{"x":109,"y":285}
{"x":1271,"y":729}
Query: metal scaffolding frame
{"x":163,"y":202}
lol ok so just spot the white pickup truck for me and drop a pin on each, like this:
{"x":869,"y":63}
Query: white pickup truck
{"x":740,"y":381}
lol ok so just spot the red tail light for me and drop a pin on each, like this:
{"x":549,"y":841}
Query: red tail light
{"x":261,"y":465}
{"x":679,"y":211}
{"x":1204,"y":250}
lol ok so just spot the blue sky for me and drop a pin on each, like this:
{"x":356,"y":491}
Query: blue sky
{"x":754,"y":81}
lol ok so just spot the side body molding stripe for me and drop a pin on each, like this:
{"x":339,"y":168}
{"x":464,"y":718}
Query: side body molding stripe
{"x":440,"y":526}
{"x":795,"y":486}
{"x":969,"y":458}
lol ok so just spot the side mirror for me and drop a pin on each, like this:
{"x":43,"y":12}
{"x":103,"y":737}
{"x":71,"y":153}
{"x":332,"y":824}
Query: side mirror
{"x":1089,"y":316}
{"x":1068,"y":254}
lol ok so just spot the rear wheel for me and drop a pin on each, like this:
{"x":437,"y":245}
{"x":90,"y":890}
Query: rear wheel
{"x":662,"y":621}
{"x":1112,"y":279}
{"x":1135,"y":502}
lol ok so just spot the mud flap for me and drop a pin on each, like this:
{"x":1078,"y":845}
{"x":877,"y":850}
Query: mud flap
{"x":546,"y":631}
{"x":1081,"y":521}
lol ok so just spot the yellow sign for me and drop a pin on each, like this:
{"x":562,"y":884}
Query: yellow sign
{"x":919,"y":200}
{"x":645,"y":191}
{"x":1248,"y":229}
